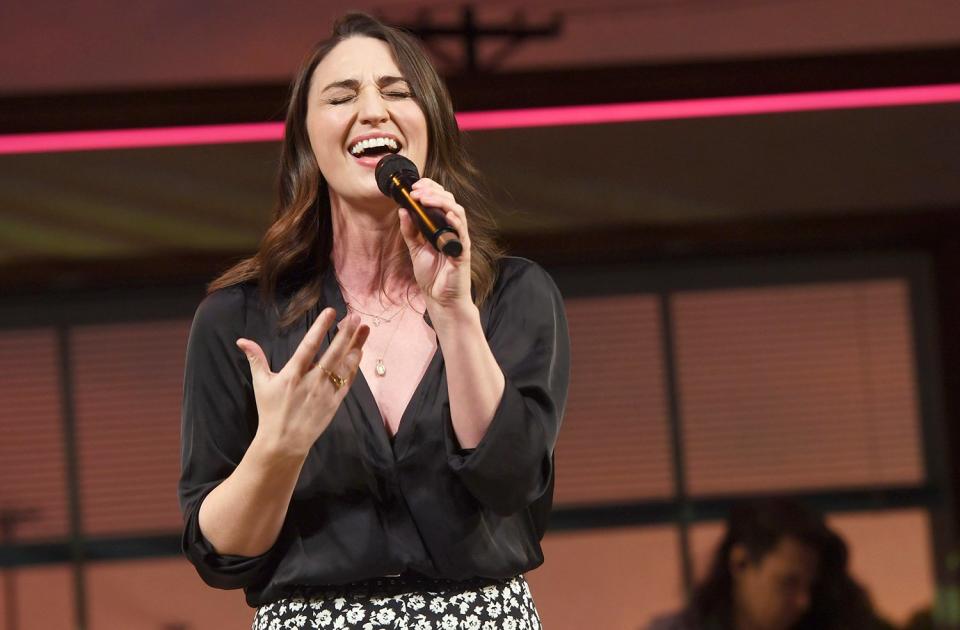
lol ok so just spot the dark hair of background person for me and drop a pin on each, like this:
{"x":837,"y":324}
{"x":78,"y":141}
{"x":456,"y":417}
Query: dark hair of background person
{"x":295,"y":250}
{"x":837,"y":602}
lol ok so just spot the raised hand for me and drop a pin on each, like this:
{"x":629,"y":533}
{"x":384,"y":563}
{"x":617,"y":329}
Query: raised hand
{"x":445,"y":281}
{"x":296,"y":404}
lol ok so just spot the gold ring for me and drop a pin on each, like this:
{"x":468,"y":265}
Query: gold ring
{"x":337,"y":380}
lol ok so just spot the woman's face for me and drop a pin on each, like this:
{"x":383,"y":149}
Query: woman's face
{"x":774,"y":592}
{"x":359,"y":108}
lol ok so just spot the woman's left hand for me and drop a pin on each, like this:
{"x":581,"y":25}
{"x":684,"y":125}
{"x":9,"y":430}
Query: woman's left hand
{"x":445,"y":281}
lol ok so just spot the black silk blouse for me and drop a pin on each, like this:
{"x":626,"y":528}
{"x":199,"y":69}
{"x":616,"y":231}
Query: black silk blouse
{"x":365,"y":506}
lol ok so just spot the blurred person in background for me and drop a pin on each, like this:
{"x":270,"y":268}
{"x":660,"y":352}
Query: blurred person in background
{"x":403,"y":479}
{"x":778,"y":567}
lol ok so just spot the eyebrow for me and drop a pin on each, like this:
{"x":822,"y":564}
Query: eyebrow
{"x":353,"y":84}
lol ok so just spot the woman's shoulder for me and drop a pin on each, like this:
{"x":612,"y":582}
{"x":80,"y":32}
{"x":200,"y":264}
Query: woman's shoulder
{"x":516,"y":272}
{"x":224,"y":301}
{"x":225,"y":307}
{"x":523,"y":289}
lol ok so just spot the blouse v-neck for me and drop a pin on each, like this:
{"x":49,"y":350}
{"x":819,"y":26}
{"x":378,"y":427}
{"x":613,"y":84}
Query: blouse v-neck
{"x":360,"y":388}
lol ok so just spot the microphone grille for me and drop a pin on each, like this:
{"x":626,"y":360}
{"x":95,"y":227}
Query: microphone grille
{"x":391,"y":165}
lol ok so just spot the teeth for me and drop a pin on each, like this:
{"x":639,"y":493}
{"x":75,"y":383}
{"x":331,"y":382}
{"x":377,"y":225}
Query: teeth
{"x":363,"y":145}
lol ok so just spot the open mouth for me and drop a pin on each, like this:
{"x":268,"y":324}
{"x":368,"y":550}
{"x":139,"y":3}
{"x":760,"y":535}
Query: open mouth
{"x":374,"y":147}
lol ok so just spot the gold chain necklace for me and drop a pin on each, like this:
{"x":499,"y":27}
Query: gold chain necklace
{"x":376,"y":320}
{"x":381,"y":368}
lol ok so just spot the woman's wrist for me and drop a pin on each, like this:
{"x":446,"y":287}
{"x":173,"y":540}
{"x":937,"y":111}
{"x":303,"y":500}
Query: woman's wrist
{"x":269,"y":450}
{"x":457,"y":316}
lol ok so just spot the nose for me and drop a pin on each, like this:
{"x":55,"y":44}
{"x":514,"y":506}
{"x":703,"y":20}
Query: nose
{"x":371,"y":106}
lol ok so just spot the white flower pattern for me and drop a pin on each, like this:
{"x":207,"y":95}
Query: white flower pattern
{"x":406,"y":604}
{"x":416,"y":602}
{"x":385,"y":616}
{"x":323,"y":618}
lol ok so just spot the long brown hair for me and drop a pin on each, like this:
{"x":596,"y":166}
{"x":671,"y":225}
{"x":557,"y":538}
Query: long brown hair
{"x":295,"y":250}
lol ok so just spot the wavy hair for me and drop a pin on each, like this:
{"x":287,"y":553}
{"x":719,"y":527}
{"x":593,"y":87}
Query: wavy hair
{"x":837,"y":602}
{"x":295,"y":250}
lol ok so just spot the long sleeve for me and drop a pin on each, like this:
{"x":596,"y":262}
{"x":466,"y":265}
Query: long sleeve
{"x":219,"y":421}
{"x":512,"y":466}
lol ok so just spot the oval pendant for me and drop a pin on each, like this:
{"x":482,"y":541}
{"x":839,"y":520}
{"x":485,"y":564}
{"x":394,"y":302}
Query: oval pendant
{"x":381,"y":368}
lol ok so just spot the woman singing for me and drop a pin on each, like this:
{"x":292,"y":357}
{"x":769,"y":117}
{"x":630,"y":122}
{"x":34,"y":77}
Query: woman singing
{"x":369,"y":424}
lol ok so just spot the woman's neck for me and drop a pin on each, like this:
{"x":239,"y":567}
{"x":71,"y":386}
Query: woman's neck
{"x":364,"y":238}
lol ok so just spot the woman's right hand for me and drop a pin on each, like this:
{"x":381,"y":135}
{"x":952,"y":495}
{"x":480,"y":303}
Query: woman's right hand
{"x":296,"y":404}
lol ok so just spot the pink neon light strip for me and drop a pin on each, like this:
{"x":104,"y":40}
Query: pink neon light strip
{"x":500,"y":119}
{"x":139,"y":138}
{"x":710,"y":107}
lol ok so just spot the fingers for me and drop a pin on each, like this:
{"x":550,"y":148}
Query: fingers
{"x":350,"y":365}
{"x":259,"y":368}
{"x":359,"y":338}
{"x":458,"y":222}
{"x":411,"y":235}
{"x":354,"y":345}
{"x":302,"y":358}
{"x":350,"y":333}
{"x":351,"y":362}
{"x":430,"y":193}
{"x":340,"y":372}
{"x":425,"y":183}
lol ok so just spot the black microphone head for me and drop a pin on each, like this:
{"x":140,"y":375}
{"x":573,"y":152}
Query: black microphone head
{"x":390,"y":165}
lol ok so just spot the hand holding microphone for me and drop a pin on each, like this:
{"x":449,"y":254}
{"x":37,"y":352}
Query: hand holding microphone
{"x":395,"y":177}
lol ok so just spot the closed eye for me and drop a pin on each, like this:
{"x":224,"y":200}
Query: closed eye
{"x":339,"y":100}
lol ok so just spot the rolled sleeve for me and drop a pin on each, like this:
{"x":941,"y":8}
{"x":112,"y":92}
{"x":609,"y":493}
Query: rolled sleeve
{"x":218,"y":570}
{"x":512,"y":466}
{"x":217,"y":425}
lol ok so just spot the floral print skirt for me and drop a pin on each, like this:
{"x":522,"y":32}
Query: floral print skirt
{"x":406,"y":603}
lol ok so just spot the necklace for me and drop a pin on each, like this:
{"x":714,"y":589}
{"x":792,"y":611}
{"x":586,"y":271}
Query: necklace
{"x":381,"y":368}
{"x":376,"y":320}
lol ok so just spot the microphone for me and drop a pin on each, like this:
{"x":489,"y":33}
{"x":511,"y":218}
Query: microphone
{"x":395,"y":175}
